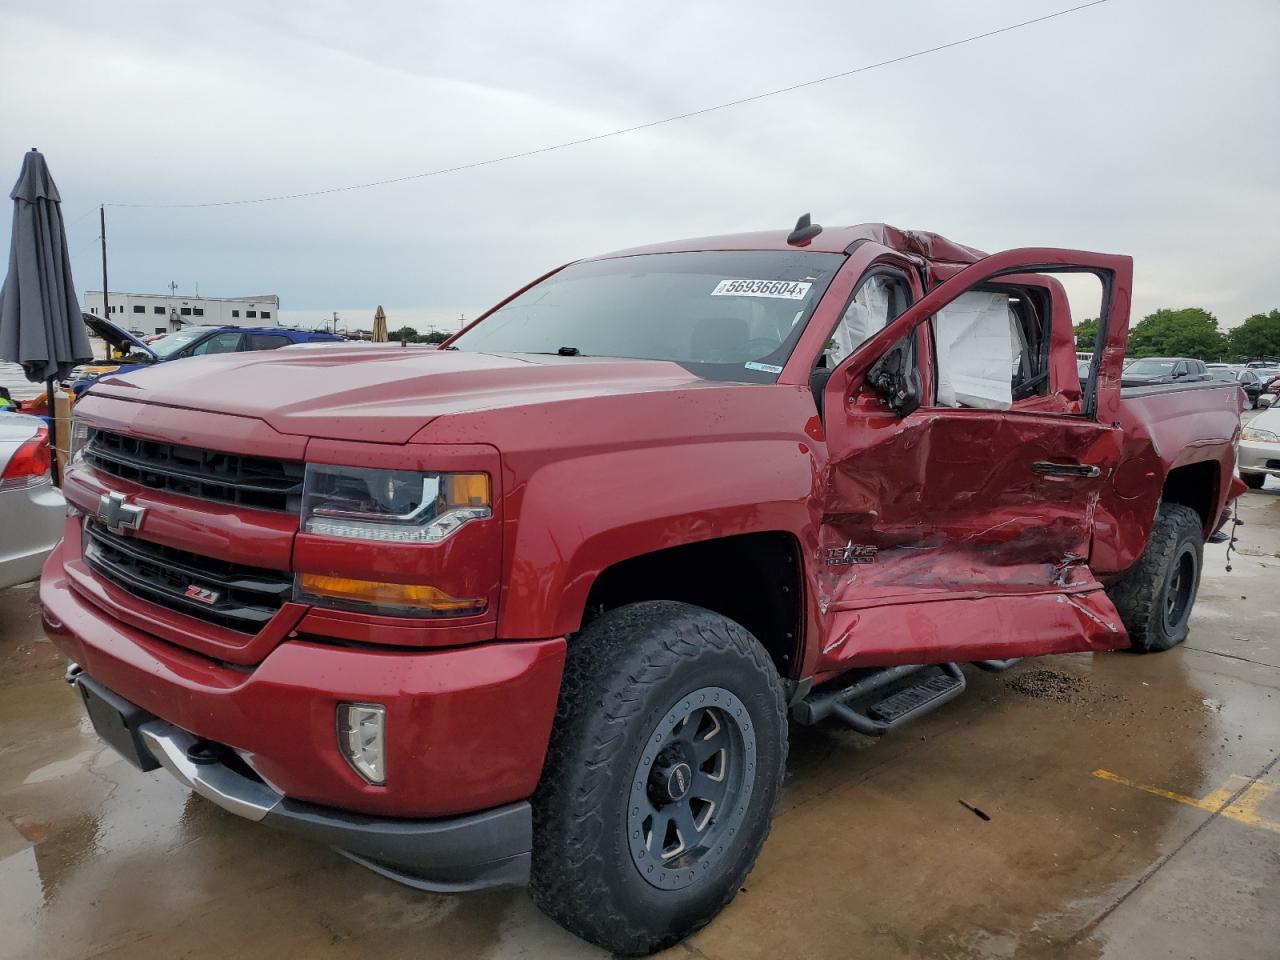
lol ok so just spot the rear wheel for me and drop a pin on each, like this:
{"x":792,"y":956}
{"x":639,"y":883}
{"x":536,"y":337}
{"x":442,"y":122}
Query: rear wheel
{"x":1254,"y":481}
{"x":1155,"y":597}
{"x":661,"y":778}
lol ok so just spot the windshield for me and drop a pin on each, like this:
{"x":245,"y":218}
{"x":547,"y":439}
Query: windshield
{"x":173,"y":343}
{"x":1151,"y":368}
{"x":732,"y":315}
{"x":1219,"y":374}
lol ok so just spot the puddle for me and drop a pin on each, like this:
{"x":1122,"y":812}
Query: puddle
{"x":60,"y":768}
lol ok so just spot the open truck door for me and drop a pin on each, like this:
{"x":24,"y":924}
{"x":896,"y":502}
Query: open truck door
{"x":966,"y":461}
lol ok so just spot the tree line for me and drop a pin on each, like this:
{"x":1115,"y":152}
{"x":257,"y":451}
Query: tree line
{"x":411,"y":335}
{"x":1194,"y":332}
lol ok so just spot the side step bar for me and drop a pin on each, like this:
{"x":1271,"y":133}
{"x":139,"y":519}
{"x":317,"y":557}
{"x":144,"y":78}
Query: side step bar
{"x":884,"y":714}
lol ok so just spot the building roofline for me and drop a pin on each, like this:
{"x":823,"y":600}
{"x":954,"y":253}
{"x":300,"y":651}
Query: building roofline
{"x":175,"y":296}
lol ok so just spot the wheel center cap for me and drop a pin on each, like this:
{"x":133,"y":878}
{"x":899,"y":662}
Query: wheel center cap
{"x":679,"y":779}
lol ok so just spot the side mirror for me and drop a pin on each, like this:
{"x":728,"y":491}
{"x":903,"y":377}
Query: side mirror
{"x":894,"y":377}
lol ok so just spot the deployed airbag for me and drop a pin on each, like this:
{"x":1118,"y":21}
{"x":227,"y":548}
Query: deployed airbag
{"x":975,"y":353}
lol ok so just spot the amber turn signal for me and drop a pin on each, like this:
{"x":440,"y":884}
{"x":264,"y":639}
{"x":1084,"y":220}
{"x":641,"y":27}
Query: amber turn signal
{"x":417,"y":597}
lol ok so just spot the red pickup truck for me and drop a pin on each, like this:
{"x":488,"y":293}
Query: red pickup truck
{"x":539,"y":607}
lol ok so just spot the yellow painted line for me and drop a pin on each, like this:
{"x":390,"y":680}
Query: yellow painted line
{"x":1244,"y":810}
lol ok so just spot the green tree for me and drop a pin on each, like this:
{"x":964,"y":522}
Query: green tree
{"x":436,"y":336}
{"x":1257,"y":337}
{"x":1189,"y":332}
{"x":405,"y":333}
{"x":1087,"y":334}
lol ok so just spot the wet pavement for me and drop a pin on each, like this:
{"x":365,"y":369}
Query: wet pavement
{"x":1131,"y":805}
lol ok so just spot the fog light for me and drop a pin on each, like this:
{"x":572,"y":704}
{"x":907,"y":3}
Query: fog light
{"x":360,"y":737}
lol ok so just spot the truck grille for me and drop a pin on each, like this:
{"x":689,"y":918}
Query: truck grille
{"x":257,"y":482}
{"x":235,"y":596}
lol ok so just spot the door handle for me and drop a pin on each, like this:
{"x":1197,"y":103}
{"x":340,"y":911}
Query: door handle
{"x":1048,"y":469}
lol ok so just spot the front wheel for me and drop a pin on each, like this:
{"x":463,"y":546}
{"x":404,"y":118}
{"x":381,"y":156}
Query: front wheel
{"x":662,"y":775}
{"x":1156,"y":596}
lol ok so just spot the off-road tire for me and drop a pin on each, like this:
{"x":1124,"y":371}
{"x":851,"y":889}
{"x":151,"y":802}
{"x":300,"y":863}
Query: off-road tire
{"x":1142,"y":596}
{"x":1254,"y":481}
{"x":623,"y":674}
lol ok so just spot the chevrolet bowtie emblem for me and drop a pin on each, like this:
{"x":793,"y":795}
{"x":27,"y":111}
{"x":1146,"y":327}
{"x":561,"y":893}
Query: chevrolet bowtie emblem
{"x":118,"y":516}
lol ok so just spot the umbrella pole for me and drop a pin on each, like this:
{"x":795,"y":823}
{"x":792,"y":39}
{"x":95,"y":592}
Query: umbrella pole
{"x":53,"y":432}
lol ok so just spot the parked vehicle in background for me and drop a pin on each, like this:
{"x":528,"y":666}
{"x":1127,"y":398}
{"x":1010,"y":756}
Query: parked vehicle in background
{"x":1270,"y":381}
{"x":539,"y":606}
{"x":1259,"y":449}
{"x":31,"y":507}
{"x":1146,"y":371}
{"x":1246,"y":378}
{"x":190,"y":341}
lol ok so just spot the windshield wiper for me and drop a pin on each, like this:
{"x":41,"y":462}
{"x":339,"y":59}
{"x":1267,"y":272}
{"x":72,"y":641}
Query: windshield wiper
{"x":562,"y":352}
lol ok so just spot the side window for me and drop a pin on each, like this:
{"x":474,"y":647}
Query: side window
{"x":1030,"y":317}
{"x":880,"y":299}
{"x":266,"y":341}
{"x":1180,"y":369}
{"x":218,"y":343}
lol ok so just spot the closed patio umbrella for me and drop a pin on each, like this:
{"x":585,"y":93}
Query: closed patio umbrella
{"x":40,"y":325}
{"x":379,"y":326}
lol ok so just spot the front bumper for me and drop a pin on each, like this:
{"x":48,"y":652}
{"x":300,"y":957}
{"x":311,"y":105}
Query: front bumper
{"x":466,"y":727}
{"x":1258,"y":457}
{"x":470,"y":852}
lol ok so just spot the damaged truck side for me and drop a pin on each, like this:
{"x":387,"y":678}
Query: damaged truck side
{"x":540,"y":606}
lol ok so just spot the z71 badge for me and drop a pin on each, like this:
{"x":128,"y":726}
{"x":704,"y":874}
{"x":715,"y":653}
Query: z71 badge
{"x":850,"y":553}
{"x":202,"y":594}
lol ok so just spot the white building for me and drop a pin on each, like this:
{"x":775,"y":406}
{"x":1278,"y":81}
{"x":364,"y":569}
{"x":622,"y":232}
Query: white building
{"x":148,"y":313}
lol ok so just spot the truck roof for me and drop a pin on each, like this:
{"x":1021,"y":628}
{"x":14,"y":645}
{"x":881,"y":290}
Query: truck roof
{"x":931,"y":246}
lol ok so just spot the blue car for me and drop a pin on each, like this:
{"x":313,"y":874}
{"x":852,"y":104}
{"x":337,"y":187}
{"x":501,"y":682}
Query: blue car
{"x":190,"y":341}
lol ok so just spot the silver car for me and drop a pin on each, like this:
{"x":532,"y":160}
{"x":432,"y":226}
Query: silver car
{"x":31,"y":507}
{"x":1259,"y":451}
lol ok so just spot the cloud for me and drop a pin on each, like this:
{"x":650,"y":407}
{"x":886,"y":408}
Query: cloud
{"x":1112,"y":129}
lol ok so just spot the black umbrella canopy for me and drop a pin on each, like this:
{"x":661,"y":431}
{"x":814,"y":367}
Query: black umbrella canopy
{"x":40,"y":325}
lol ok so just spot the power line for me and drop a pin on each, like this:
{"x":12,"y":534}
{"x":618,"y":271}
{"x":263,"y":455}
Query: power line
{"x":93,"y":209}
{"x":632,"y":129}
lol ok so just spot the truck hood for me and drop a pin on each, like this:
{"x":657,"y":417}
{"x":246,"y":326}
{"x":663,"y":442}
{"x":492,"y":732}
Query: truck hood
{"x":381,"y":394}
{"x":121,"y":340}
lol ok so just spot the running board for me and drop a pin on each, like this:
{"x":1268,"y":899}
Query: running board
{"x":876,"y":716}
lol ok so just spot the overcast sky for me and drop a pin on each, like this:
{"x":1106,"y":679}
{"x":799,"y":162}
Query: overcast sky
{"x":1139,"y":126}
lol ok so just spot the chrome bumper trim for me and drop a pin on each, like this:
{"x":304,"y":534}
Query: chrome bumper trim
{"x":215,"y":782}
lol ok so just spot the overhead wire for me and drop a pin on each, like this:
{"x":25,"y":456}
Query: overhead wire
{"x":649,"y":125}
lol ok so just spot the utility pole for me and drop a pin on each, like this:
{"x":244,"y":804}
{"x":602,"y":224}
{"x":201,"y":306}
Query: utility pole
{"x":102,"y":222}
{"x":335,"y":322}
{"x":173,"y":288}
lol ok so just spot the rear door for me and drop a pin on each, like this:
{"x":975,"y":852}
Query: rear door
{"x":963,"y":529}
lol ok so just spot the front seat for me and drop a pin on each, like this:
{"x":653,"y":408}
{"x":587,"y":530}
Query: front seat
{"x":719,"y":340}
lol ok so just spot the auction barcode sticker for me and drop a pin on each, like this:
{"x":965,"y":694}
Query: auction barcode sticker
{"x":778,"y":289}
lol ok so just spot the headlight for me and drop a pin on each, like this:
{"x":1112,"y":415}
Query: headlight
{"x":79,"y":437}
{"x":399,"y":506}
{"x":1262,"y":436}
